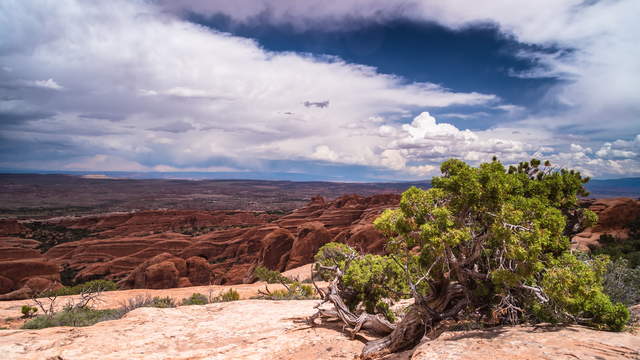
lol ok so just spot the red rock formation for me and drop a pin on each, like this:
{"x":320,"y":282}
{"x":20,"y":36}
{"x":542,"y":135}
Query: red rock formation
{"x":159,"y":249}
{"x":613,"y":217}
{"x":275,"y":249}
{"x":311,"y":236}
{"x":11,"y":227}
{"x":19,"y":279}
{"x":23,"y":269}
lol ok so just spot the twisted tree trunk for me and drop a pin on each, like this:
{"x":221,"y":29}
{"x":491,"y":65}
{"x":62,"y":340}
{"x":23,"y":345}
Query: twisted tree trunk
{"x":446,"y":300}
{"x":407,"y":334}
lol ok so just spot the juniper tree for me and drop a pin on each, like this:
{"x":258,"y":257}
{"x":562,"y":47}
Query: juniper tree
{"x":484,"y":243}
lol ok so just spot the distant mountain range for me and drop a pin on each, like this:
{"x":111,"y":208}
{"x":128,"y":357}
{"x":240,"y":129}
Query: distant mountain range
{"x":627,"y":187}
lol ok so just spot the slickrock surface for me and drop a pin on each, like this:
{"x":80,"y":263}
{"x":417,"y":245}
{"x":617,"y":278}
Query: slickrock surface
{"x":531,"y":343}
{"x":251,"y":329}
{"x":115,"y":299}
{"x":258,"y":329}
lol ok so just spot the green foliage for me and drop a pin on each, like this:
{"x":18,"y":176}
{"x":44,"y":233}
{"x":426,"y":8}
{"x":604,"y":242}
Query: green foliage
{"x":230,"y":295}
{"x":332,"y":254}
{"x":28,"y":311}
{"x":577,"y":287}
{"x":369,"y":280}
{"x":90,"y":286}
{"x":72,"y":317}
{"x":373,"y":278}
{"x":162,"y":302}
{"x":270,"y":276}
{"x":196,"y":299}
{"x":502,"y":235}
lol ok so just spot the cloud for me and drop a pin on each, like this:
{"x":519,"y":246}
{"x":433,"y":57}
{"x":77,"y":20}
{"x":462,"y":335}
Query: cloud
{"x":323,"y":152}
{"x":189,"y":97}
{"x":425,"y":140}
{"x":44,"y":84}
{"x":146,"y":90}
{"x":591,"y":46}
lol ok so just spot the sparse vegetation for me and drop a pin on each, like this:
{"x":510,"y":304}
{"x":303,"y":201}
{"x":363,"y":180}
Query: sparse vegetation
{"x":82,"y":313}
{"x":195,"y":299}
{"x":147,"y":301}
{"x":162,"y":302}
{"x":229,"y":295}
{"x":71,"y":316}
{"x":50,"y":235}
{"x":293,"y":289}
{"x":93,"y":285}
{"x":622,"y":283}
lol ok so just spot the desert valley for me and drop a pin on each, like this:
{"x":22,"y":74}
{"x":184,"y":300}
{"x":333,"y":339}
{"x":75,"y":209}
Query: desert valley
{"x":177,"y":252}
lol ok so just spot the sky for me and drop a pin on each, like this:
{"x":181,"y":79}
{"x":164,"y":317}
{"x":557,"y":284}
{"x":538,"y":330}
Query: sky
{"x":342,"y":90}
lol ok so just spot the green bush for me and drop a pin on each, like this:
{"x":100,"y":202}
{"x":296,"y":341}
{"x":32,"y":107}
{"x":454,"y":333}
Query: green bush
{"x":72,"y":317}
{"x":230,"y":295}
{"x":162,"y":302}
{"x":577,"y":287}
{"x":90,"y":286}
{"x":28,"y":311}
{"x":294,"y":290}
{"x":270,"y":276}
{"x":195,"y":299}
{"x":370,"y":278}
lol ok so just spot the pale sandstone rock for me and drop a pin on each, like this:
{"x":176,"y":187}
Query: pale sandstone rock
{"x":531,"y":343}
{"x":258,"y":329}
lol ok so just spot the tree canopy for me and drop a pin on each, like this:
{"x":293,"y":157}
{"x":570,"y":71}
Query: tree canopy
{"x":486,"y":243}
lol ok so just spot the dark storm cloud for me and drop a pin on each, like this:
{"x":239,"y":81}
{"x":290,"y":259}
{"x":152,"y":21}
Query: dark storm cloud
{"x":13,"y":118}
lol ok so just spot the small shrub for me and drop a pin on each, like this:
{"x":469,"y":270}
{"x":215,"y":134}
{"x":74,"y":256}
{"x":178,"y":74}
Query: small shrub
{"x":28,"y":311}
{"x":72,"y":317}
{"x":270,"y":276}
{"x":146,"y":301}
{"x":295,"y":291}
{"x":196,"y":299}
{"x":90,"y":286}
{"x":162,"y":302}
{"x":231,"y":295}
{"x":622,"y":283}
